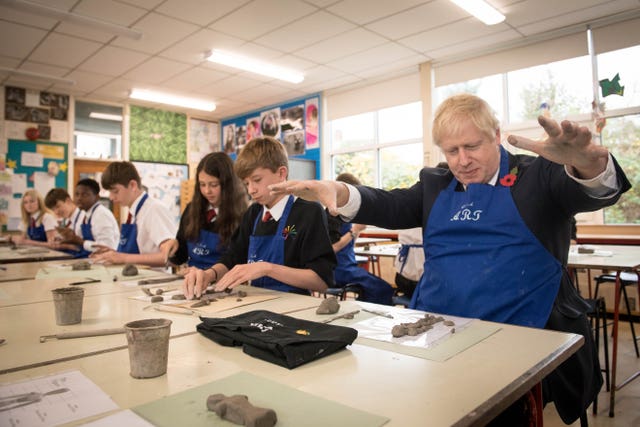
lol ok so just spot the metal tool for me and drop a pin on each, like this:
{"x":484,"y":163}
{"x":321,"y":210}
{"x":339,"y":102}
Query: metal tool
{"x":17,"y":400}
{"x":348,"y":315}
{"x":160,"y":280}
{"x":85,"y":282}
{"x":83,"y":334}
{"x":378,"y":313}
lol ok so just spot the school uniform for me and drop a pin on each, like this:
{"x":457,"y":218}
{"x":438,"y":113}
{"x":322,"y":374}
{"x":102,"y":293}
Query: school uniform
{"x":296,"y":236}
{"x":99,"y":226}
{"x":374,"y":289}
{"x":148,"y":224}
{"x":204,"y":251}
{"x":512,"y":239}
{"x":38,"y":227}
{"x":74,"y":223}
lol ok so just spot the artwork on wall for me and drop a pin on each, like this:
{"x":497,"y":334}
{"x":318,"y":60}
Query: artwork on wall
{"x":157,"y":135}
{"x":294,"y":123}
{"x":162,"y":181}
{"x":204,"y":138}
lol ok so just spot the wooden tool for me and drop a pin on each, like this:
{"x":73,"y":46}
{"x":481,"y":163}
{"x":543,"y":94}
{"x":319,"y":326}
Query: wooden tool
{"x":348,"y":315}
{"x":83,"y":334}
{"x":170,"y":309}
{"x":159,"y":280}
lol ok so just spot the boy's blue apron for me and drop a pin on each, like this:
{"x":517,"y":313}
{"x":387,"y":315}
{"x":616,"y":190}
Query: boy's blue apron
{"x":37,"y":232}
{"x":204,"y":252}
{"x":270,"y":248}
{"x":129,"y":232}
{"x":482,"y":261}
{"x":80,"y":253}
{"x":347,"y":271}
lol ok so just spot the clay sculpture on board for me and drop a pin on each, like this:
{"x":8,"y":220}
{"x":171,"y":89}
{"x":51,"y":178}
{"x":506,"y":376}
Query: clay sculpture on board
{"x":238,"y":410}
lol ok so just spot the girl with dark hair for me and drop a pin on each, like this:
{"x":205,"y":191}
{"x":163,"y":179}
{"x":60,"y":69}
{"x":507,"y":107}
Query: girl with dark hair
{"x":209,"y":220}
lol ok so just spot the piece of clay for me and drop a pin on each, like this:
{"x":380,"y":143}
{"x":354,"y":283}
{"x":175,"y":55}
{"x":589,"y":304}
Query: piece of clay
{"x":242,"y":294}
{"x":129,"y":270}
{"x":238,"y":410}
{"x":238,"y":299}
{"x":178,"y":296}
{"x":81,"y":265}
{"x":157,"y":298}
{"x":200,"y":303}
{"x":147,"y":291}
{"x":159,"y":291}
{"x":419,"y":327}
{"x":328,"y":306}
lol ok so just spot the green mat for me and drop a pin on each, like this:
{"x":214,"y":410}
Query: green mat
{"x":293,"y":407}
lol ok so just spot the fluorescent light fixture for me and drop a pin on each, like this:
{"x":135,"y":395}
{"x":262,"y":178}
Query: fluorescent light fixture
{"x":62,"y":15}
{"x":35,"y":75}
{"x":253,"y":66}
{"x":105,"y":116}
{"x":165,"y":98}
{"x":481,"y":10}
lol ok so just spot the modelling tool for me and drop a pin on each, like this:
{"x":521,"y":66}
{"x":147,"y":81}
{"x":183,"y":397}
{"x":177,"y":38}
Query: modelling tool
{"x":83,"y":334}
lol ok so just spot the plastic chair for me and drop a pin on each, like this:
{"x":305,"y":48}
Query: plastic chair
{"x":626,"y":279}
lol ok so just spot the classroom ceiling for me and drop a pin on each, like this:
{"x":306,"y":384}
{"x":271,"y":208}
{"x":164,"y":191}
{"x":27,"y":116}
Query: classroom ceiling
{"x":335,"y":43}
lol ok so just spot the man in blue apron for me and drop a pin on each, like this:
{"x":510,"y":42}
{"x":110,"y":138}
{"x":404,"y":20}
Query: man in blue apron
{"x":282,"y":242}
{"x":149,"y":223}
{"x":506,"y":219}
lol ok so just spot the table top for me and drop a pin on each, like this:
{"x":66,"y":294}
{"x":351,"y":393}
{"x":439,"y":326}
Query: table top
{"x":615,"y":257}
{"x":390,"y":250}
{"x":30,"y":254}
{"x":362,"y":241}
{"x":468,"y":388}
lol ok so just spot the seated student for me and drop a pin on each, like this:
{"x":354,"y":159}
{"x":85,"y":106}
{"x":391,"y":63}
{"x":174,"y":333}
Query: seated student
{"x":98,"y":227}
{"x":343,"y":236}
{"x":209,"y":220}
{"x":409,"y":263}
{"x":38,"y":223}
{"x":497,"y":228}
{"x":149,"y":223}
{"x":282,"y":242}
{"x":59,"y":201}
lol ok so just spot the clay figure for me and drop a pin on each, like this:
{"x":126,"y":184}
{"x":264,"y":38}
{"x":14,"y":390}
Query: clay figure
{"x":328,"y":306}
{"x":238,"y":410}
{"x":129,"y":270}
{"x":419,"y":327}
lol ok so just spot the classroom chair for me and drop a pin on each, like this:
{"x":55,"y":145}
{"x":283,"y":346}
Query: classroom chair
{"x":598,"y":315}
{"x":626,"y":279}
{"x":341,"y":292}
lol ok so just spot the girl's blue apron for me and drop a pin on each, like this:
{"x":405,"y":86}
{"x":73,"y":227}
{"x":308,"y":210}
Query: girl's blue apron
{"x":204,"y":252}
{"x":129,"y":232}
{"x":347,"y":271}
{"x":37,"y":232}
{"x":270,"y":249}
{"x":482,"y":261}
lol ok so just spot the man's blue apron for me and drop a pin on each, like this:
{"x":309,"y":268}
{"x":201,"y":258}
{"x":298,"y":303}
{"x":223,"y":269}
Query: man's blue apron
{"x":204,"y":252}
{"x":482,"y":261}
{"x":270,"y":249}
{"x":347,"y":271}
{"x":129,"y":233}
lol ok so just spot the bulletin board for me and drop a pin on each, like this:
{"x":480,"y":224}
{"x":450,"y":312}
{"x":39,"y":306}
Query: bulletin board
{"x":295,"y":123}
{"x":163,"y":183}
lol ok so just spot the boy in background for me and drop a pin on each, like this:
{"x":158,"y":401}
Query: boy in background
{"x":282,"y":242}
{"x":149,"y":223}
{"x":71,"y":217}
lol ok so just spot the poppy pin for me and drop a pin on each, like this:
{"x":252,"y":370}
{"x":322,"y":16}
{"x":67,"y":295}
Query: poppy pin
{"x":509,"y":179}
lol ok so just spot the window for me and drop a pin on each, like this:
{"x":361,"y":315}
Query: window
{"x":381,"y":148}
{"x":98,"y":131}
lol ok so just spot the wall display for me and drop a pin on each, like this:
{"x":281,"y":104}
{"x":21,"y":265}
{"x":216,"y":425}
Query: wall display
{"x":294,"y":123}
{"x":162,"y":181}
{"x":204,"y":138}
{"x":157,"y":135}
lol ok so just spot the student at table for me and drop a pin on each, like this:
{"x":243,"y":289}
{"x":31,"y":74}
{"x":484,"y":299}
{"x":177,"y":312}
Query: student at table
{"x":38,"y":223}
{"x":148,"y":225}
{"x":71,"y":218}
{"x":343,"y":236}
{"x":282,"y":242}
{"x":209,"y":220}
{"x":496,"y":229}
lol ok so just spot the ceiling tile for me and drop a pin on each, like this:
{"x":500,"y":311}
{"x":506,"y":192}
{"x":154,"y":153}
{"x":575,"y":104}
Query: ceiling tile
{"x":27,"y":82}
{"x":431,"y":15}
{"x":33,"y":19}
{"x":159,"y":33}
{"x":375,"y":57}
{"x":145,"y":4}
{"x":233,"y":84}
{"x":44,"y":69}
{"x":156,"y":70}
{"x":341,"y":45}
{"x":193,"y":79}
{"x":264,"y":92}
{"x":528,"y":12}
{"x":201,"y":12}
{"x":5,"y":61}
{"x":308,"y":30}
{"x":113,"y":61}
{"x":110,"y":11}
{"x":261,"y":16}
{"x":362,"y":12}
{"x":116,"y":90}
{"x":192,"y":48}
{"x":88,"y":82}
{"x":393,"y":67}
{"x":66,"y":51}
{"x":476,"y":44}
{"x":23,"y":39}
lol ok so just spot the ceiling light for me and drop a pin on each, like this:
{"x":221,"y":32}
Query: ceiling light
{"x":253,"y":66}
{"x":105,"y":116}
{"x":165,"y":98}
{"x":51,"y":12}
{"x":481,"y":10}
{"x":26,"y":73}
